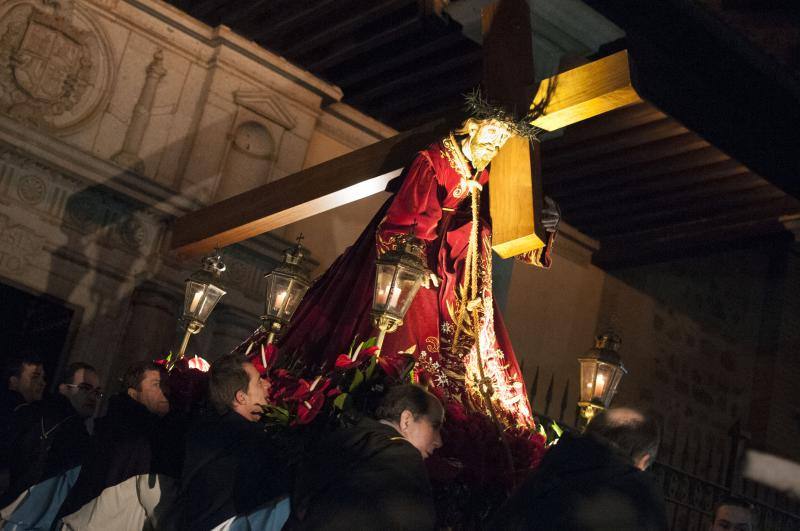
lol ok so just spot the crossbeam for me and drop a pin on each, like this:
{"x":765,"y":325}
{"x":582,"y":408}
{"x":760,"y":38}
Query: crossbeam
{"x":572,"y":96}
{"x":333,"y":183}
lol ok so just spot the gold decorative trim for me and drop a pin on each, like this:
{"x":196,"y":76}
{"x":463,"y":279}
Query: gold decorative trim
{"x":458,"y":162}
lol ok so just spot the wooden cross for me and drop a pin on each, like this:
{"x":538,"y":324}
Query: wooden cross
{"x":570,"y":97}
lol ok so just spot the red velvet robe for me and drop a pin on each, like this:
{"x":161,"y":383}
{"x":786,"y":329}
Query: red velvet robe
{"x":337,"y":307}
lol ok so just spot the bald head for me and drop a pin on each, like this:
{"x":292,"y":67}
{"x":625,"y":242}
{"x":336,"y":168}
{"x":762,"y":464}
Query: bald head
{"x":619,"y":416}
{"x":629,"y":431}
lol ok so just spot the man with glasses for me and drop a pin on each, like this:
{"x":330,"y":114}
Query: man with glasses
{"x":127,"y":481}
{"x":49,"y":441}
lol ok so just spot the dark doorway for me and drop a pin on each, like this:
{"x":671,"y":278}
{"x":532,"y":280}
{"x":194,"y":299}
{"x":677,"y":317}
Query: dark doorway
{"x":37,"y":323}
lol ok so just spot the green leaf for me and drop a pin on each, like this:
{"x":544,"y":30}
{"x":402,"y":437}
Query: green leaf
{"x":556,"y":428}
{"x":339,"y":401}
{"x":357,"y":379}
{"x":371,"y":369}
{"x":371,"y":342}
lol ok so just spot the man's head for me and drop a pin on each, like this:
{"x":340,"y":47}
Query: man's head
{"x":416,"y":414}
{"x":81,"y":386}
{"x":234,"y":384}
{"x":483,"y":140}
{"x":25,"y":375}
{"x":735,"y":514}
{"x":144,"y":381}
{"x":629,"y":431}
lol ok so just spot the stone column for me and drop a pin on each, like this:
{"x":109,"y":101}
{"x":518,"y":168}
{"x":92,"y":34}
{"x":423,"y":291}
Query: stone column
{"x":129,"y":155}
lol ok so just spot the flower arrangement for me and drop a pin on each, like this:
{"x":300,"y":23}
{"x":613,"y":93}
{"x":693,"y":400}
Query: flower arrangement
{"x":470,"y":473}
{"x":187,"y":379}
{"x":356,"y":380}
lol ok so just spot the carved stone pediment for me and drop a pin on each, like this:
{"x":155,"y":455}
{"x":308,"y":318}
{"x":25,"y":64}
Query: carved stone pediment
{"x":266,"y":104}
{"x":55,"y":64}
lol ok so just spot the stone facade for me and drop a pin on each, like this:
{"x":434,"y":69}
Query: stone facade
{"x":117,"y":117}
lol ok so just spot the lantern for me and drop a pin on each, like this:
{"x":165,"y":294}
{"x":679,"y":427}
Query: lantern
{"x":601,"y":372}
{"x":398,"y":276}
{"x":287,"y":284}
{"x":204,"y":290}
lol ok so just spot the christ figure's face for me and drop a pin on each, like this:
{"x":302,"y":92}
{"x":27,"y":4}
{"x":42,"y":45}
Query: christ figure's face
{"x":484,"y":140}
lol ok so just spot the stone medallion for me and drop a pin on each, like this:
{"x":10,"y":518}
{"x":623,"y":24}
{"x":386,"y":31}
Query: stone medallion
{"x":55,"y":64}
{"x":31,"y":189}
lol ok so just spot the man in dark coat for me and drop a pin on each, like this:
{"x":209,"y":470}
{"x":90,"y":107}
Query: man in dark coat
{"x":372,"y":476}
{"x":50,"y":436}
{"x":593,"y":482}
{"x":23,"y":383}
{"x":127,"y":480}
{"x":231,"y":467}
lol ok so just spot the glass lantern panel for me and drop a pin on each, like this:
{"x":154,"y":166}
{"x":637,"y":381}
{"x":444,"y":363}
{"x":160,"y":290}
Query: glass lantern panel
{"x":212,"y":297}
{"x":384,"y":278}
{"x":605,"y":375}
{"x":277,"y":294}
{"x":407,"y":285}
{"x":588,"y":372}
{"x":297,"y":289}
{"x":193,"y":298}
{"x":618,"y":372}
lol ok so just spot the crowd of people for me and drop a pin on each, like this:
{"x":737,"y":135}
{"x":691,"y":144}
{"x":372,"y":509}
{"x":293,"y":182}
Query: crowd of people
{"x":143,"y":466}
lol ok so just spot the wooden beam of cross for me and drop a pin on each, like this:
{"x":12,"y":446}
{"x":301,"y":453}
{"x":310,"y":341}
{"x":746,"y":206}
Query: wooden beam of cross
{"x":572,"y":96}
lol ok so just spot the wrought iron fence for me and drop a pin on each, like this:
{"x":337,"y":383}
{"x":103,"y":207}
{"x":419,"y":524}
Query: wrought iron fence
{"x":690,"y":493}
{"x":691,"y":499}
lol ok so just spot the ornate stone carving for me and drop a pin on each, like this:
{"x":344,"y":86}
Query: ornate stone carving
{"x":267,"y":105}
{"x":132,"y":232}
{"x":55,"y":65}
{"x":31,"y":189}
{"x":96,"y":212}
{"x":129,"y":155}
{"x":20,"y":247}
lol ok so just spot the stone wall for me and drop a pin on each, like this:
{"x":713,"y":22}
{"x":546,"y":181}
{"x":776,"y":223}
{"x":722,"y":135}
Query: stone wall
{"x":115,"y":118}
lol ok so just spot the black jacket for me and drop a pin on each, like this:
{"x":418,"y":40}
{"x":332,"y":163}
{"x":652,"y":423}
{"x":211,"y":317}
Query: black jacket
{"x":10,"y":402}
{"x":127,"y":442}
{"x":49,"y":438}
{"x":231,"y":467}
{"x":582,"y":484}
{"x":365,"y":477}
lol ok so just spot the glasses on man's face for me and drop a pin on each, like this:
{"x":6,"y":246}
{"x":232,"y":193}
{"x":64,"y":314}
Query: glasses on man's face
{"x":88,"y":389}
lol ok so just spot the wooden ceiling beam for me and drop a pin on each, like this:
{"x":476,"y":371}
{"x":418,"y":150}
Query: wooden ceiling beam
{"x":688,"y":64}
{"x":629,"y":253}
{"x":617,"y":121}
{"x":453,"y":104}
{"x":697,"y":177}
{"x":415,"y":78}
{"x":635,"y":173}
{"x":255,"y":9}
{"x":430,"y":95}
{"x":204,"y":8}
{"x":773,"y":208}
{"x":621,"y":160}
{"x":344,"y":53}
{"x":662,"y":213}
{"x":273,"y":30}
{"x":375,"y":68}
{"x":630,"y":138}
{"x":344,"y":28}
{"x":675,"y":199}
